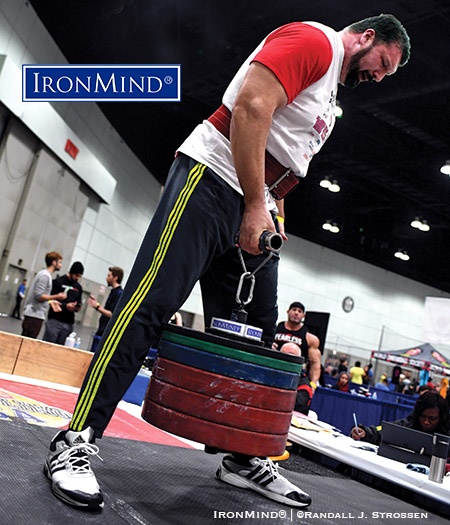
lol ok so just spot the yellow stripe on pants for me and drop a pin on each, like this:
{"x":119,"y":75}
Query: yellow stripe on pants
{"x":88,"y":394}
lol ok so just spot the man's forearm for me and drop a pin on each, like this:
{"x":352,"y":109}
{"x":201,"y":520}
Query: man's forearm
{"x":314,"y":372}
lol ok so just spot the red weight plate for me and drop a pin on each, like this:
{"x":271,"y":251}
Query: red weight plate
{"x":214,"y":435}
{"x":218,"y":410}
{"x":224,"y":387}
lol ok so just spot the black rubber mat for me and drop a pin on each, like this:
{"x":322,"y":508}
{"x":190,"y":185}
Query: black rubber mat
{"x":147,"y":484}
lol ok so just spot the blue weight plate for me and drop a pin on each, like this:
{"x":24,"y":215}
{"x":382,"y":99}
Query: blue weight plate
{"x":228,"y":367}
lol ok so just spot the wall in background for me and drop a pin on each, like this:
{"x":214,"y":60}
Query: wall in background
{"x":111,"y":234}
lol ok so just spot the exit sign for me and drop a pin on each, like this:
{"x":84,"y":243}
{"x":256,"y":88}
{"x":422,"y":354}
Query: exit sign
{"x":71,"y":149}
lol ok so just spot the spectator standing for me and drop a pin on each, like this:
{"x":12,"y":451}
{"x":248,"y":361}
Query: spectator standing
{"x":396,"y":372}
{"x":40,"y":295}
{"x":343,"y":365}
{"x":357,"y":373}
{"x":114,"y":280}
{"x":443,"y":387}
{"x":431,"y":384}
{"x":424,"y":374}
{"x":60,"y":323}
{"x":368,"y":374}
{"x":20,"y":294}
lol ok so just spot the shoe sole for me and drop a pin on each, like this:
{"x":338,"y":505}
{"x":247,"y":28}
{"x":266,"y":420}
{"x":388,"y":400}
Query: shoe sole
{"x":238,"y":481}
{"x":61,"y":495}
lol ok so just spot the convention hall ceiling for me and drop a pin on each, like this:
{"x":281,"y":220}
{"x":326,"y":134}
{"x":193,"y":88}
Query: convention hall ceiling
{"x":385,"y":152}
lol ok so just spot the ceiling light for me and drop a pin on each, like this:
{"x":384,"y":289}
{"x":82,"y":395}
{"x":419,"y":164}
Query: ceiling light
{"x":331,"y":226}
{"x":424,"y":227}
{"x":334,"y":228}
{"x":402,"y":254}
{"x":416,"y":223}
{"x":338,"y":111}
{"x":445,"y":168}
{"x":334,"y":187}
{"x":420,"y":224}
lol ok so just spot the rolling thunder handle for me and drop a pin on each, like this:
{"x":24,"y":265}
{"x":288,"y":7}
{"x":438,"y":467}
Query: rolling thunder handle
{"x":270,"y":242}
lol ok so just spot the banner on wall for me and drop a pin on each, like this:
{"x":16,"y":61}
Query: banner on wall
{"x":436,"y":323}
{"x":418,"y":357}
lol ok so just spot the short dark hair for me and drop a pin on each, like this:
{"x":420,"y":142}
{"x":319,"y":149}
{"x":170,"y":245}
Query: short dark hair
{"x":117,"y":273}
{"x":424,"y":388}
{"x":52,"y":256}
{"x":388,"y":30}
{"x":297,"y":304}
{"x":77,"y":268}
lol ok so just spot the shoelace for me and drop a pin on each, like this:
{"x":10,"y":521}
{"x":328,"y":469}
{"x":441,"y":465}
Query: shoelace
{"x":271,"y":467}
{"x":80,"y":464}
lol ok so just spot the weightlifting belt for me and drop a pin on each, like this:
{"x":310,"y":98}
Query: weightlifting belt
{"x":280,"y":180}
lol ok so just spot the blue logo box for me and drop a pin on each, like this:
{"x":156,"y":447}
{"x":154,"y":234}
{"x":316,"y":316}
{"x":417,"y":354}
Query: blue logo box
{"x":101,"y":83}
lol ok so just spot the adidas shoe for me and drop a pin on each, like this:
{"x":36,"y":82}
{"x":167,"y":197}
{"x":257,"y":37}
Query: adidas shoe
{"x":68,"y":468}
{"x":261,"y":475}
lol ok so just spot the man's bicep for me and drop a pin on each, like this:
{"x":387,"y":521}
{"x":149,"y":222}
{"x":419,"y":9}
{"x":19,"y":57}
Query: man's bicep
{"x":261,"y":85}
{"x":314,"y":353}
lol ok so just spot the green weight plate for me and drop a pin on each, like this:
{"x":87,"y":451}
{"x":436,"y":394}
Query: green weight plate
{"x":234,"y":353}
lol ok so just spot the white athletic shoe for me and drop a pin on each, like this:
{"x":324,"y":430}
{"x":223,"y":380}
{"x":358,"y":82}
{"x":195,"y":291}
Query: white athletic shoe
{"x":68,"y":468}
{"x":261,"y":475}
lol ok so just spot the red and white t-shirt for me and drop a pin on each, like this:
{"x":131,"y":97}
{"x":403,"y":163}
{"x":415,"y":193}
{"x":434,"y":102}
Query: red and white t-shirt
{"x":306,"y":57}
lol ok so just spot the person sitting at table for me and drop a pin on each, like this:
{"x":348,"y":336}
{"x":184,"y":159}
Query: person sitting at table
{"x":383,"y":383}
{"x":343,"y":382}
{"x":430,"y":415}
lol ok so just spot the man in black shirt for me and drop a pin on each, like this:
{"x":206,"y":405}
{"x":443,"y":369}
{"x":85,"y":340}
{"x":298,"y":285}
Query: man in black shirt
{"x":113,"y":279}
{"x":60,"y":321}
{"x":294,"y":332}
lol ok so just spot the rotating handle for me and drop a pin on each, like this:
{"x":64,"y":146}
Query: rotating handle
{"x":270,"y":242}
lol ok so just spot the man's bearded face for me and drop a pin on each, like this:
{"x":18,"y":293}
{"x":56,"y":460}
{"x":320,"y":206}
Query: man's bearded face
{"x":355,"y":75}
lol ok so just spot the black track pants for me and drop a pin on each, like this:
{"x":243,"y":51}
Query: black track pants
{"x":191,"y":237}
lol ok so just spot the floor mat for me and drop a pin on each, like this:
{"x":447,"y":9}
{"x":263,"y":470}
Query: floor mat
{"x":44,"y":405}
{"x":146,"y":483}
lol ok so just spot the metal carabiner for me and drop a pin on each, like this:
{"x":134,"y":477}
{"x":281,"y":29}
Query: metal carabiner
{"x":245,"y":275}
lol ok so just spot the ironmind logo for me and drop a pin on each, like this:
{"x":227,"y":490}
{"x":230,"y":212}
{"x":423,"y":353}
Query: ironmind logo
{"x":104,"y":83}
